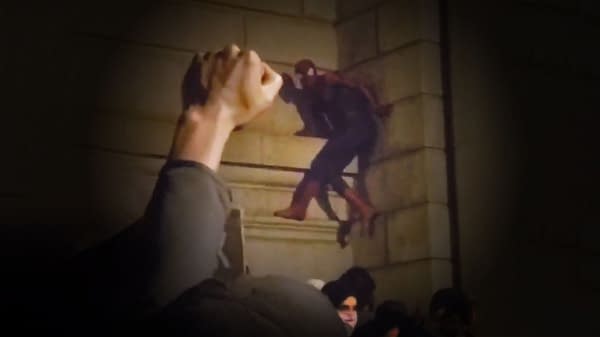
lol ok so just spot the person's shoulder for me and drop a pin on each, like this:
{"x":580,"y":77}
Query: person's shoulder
{"x":275,"y":285}
{"x":296,"y":307}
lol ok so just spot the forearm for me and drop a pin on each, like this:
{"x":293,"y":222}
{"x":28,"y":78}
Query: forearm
{"x":201,"y":136}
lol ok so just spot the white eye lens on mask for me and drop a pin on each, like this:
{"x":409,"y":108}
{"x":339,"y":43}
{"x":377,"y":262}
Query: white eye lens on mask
{"x":297,"y":80}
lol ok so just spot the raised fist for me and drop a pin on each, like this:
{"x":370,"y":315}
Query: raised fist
{"x":235,"y":84}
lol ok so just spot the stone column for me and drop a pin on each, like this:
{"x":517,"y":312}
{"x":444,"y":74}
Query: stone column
{"x":394,"y":45}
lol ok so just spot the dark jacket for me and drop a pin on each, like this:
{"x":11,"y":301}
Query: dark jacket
{"x":156,"y":276}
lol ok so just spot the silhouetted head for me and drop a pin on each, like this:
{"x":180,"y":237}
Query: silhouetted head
{"x":362,"y":282}
{"x":343,"y":298}
{"x":451,"y":310}
{"x":305,"y":73}
{"x":305,"y":67}
{"x":391,"y":319}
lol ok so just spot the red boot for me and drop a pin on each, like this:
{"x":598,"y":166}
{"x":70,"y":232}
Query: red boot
{"x":305,"y":191}
{"x":366,"y":211}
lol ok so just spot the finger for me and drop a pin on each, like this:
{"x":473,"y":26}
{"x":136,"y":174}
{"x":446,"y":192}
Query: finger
{"x":252,"y":80}
{"x":271,"y":82}
{"x":192,"y":73}
{"x":192,"y":90}
{"x":231,"y":54}
{"x":231,"y":51}
{"x":218,"y":76}
{"x":208,"y":61}
{"x":234,"y":78}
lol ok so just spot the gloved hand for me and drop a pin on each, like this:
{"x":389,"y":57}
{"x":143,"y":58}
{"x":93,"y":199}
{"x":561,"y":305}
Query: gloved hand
{"x":288,"y":92}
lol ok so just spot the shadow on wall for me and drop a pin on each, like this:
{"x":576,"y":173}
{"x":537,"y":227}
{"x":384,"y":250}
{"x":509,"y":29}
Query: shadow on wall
{"x":57,"y":68}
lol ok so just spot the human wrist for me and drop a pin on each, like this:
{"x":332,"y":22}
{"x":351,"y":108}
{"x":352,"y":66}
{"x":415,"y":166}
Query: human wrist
{"x":201,"y":135}
{"x":214,"y":114}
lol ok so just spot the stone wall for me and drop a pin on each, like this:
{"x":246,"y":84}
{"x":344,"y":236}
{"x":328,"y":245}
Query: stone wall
{"x":261,"y":163}
{"x":111,"y":71}
{"x":394,"y":45}
{"x":120,"y":66}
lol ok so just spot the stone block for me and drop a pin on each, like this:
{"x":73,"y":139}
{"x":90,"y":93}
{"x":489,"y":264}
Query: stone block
{"x":122,"y":185}
{"x":269,"y":227}
{"x":127,"y":133}
{"x":433,"y":121}
{"x":243,"y":147}
{"x":441,"y":274}
{"x":405,"y":21}
{"x":414,"y":123}
{"x":263,"y":200}
{"x":405,"y":72}
{"x":292,"y":7}
{"x":357,"y":39}
{"x":430,"y":65}
{"x":287,"y":39}
{"x":233,"y":2}
{"x":182,"y":25}
{"x":144,"y":80}
{"x":348,"y":8}
{"x":324,"y":261}
{"x":370,"y":252}
{"x":132,"y":134}
{"x":275,"y":248}
{"x":413,"y":178}
{"x":418,"y":233}
{"x":320,"y":9}
{"x":436,"y":173}
{"x":235,"y":173}
{"x":412,"y":283}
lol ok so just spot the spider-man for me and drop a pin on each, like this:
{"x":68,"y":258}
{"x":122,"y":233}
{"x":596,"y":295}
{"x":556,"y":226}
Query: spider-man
{"x":344,"y":114}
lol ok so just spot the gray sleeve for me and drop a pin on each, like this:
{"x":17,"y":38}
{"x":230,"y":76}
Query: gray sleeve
{"x":188,"y":211}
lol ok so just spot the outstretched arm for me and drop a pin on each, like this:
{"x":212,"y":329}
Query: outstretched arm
{"x":175,"y":245}
{"x":189,"y":206}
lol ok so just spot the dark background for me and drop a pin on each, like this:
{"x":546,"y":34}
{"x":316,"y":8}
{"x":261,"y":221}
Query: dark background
{"x":524,"y":81}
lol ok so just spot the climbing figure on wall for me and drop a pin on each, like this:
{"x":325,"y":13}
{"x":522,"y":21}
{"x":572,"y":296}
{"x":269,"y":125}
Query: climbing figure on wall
{"x":345,"y":114}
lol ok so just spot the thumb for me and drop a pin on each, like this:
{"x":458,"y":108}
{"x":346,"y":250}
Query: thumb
{"x":252,"y":86}
{"x":271,"y":82}
{"x":264,"y":88}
